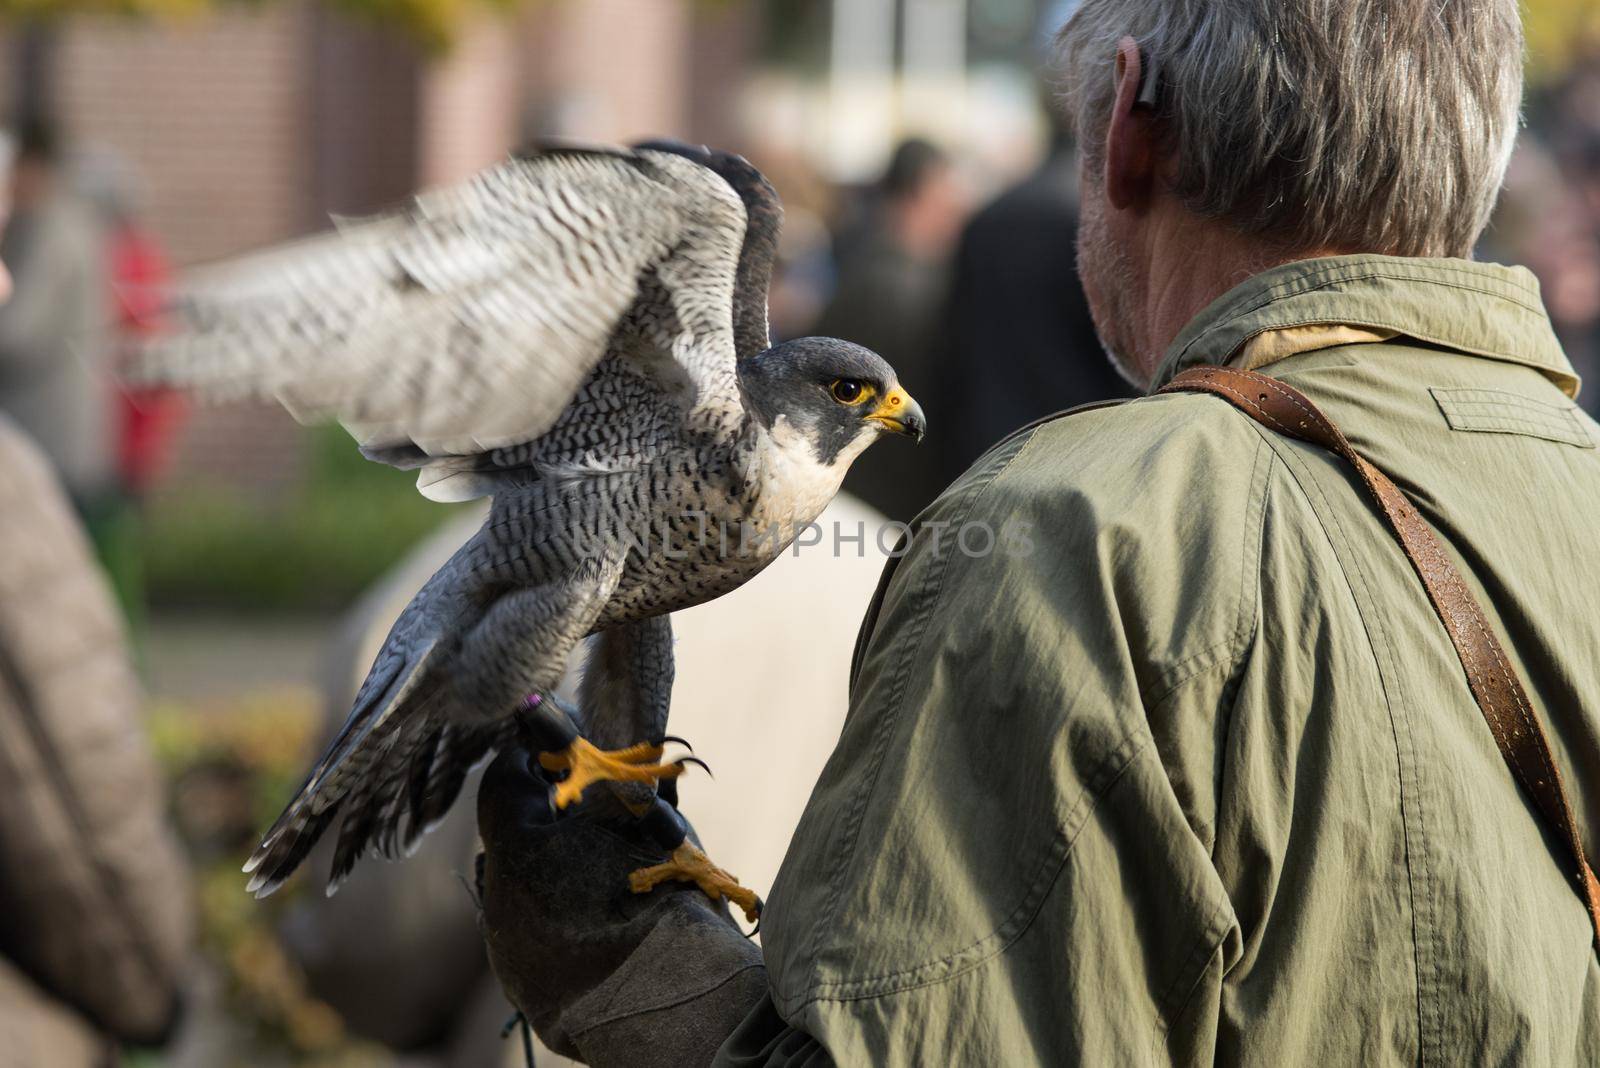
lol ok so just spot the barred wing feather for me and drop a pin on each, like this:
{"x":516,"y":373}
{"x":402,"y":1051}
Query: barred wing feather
{"x":461,"y":323}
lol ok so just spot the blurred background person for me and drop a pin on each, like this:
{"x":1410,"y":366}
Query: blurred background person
{"x":891,"y":272}
{"x":55,"y":379}
{"x":1019,"y":343}
{"x":144,"y":420}
{"x":140,"y":274}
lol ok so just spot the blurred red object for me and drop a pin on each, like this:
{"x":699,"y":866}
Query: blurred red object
{"x":149,"y":418}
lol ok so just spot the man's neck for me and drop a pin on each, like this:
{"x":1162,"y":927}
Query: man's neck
{"x":1192,"y":262}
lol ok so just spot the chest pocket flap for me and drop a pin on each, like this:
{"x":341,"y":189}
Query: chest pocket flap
{"x":1495,"y":411}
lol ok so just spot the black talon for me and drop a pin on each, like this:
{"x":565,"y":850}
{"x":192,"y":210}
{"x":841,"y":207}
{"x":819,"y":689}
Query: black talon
{"x":674,"y":738}
{"x":761,"y":907}
{"x":694,"y":760}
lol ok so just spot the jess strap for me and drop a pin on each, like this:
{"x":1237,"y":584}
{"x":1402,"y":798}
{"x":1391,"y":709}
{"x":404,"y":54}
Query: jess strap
{"x":1494,"y":682}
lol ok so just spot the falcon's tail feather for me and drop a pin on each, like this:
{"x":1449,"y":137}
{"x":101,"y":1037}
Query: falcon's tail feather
{"x":459,"y":750}
{"x":390,"y":813}
{"x":357,"y":773}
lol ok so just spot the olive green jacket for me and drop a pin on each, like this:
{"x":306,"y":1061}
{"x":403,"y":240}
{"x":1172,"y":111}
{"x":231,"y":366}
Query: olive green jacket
{"x":1157,"y":752}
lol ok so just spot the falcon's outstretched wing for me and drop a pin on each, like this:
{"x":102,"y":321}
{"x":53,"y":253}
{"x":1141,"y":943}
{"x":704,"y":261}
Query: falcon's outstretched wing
{"x":465,"y":321}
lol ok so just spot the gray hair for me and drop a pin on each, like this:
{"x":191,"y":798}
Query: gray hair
{"x":1372,"y":125}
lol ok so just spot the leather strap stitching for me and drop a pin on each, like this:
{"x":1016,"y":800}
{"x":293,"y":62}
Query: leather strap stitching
{"x":1300,"y":402}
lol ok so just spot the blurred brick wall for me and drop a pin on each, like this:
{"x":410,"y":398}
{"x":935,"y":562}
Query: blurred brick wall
{"x":364,"y":98}
{"x":209,"y":112}
{"x":470,"y":112}
{"x":618,"y":70}
{"x":725,"y":38}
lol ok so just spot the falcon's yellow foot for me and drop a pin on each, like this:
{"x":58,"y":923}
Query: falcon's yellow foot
{"x":586,"y":765}
{"x":690,"y":865}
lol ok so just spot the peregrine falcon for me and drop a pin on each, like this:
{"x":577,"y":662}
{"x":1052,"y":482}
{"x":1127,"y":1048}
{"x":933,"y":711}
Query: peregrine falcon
{"x":581,"y":334}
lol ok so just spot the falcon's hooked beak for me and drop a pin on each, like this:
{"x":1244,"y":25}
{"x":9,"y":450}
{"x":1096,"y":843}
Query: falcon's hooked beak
{"x":898,"y":413}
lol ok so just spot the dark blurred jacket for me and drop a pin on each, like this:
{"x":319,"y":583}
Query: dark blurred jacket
{"x":889,"y":301}
{"x":1019,"y":342}
{"x":95,"y":912}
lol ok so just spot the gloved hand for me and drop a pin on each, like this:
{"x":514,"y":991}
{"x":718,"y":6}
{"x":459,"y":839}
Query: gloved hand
{"x":604,"y":975}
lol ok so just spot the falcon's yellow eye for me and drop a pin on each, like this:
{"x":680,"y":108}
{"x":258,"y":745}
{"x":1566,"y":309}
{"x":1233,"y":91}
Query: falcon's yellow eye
{"x":849,"y":391}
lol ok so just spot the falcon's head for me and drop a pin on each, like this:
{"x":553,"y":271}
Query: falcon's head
{"x":838,"y":397}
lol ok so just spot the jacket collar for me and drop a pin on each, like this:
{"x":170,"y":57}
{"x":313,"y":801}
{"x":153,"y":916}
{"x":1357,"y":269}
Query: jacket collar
{"x":1480,"y":309}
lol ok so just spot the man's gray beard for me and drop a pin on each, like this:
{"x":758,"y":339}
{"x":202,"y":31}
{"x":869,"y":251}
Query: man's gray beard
{"x":1112,"y":286}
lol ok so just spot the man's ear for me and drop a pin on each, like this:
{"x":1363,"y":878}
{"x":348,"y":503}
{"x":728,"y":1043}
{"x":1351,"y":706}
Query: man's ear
{"x":1130,"y":136}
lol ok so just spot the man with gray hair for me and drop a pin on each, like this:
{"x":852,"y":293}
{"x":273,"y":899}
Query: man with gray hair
{"x":1274,"y":741}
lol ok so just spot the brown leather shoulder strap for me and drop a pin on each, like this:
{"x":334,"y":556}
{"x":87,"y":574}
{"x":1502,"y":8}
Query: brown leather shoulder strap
{"x":1493,"y":680}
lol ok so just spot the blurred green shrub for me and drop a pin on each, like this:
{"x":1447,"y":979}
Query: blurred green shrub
{"x":219,"y":546}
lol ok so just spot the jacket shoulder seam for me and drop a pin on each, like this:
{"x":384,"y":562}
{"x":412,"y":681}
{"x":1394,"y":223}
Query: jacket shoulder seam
{"x":1414,"y":814}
